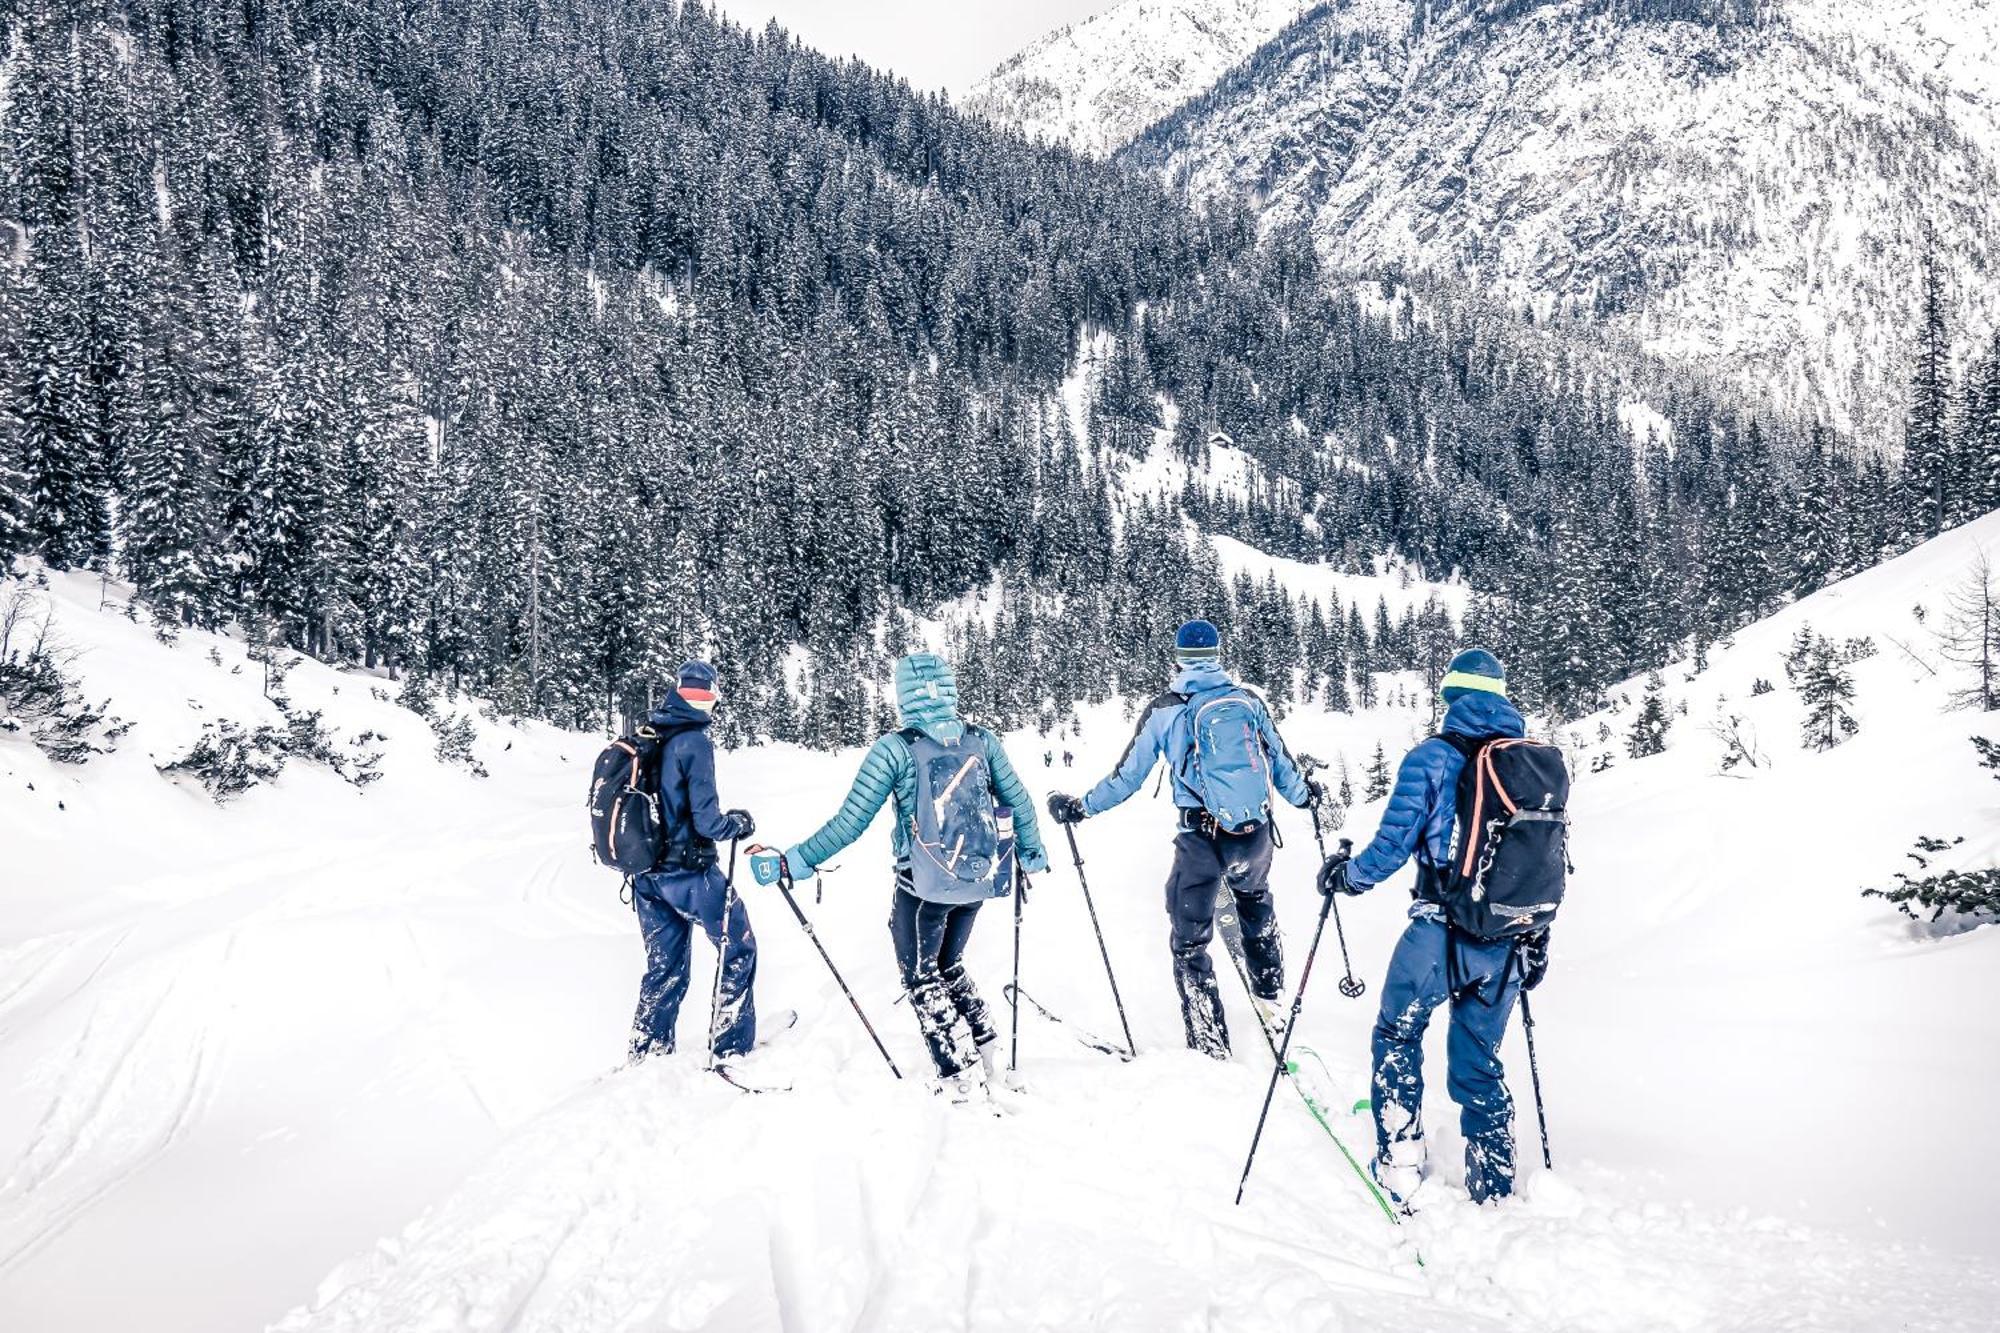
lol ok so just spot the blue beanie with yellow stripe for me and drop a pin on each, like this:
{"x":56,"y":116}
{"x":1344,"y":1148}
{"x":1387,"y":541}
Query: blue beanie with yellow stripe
{"x":1474,"y":671}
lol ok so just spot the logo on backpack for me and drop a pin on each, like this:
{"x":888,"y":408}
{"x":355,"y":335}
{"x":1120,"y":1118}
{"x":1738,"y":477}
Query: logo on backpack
{"x":961,"y":843}
{"x":626,"y":828}
{"x":1510,"y":847}
{"x":1231,"y":774}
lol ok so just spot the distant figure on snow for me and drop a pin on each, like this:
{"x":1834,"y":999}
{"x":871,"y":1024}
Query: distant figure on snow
{"x":1069,"y":760}
{"x":1224,"y":806}
{"x":686,"y":889}
{"x":963,"y":822}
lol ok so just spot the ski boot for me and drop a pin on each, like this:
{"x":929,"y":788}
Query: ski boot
{"x":1400,"y":1172}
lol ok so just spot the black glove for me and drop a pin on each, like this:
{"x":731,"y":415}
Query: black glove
{"x":1333,"y":875}
{"x":1066,"y":809}
{"x":1315,"y":793}
{"x":746,"y":827}
{"x":1534,"y":958}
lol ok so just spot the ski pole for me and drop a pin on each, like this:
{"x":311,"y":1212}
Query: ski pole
{"x":1014,"y":991}
{"x":1350,"y":985}
{"x":1535,"y":1073}
{"x":1285,"y":1048}
{"x":722,"y":953}
{"x":785,"y":887}
{"x":1111,"y":976}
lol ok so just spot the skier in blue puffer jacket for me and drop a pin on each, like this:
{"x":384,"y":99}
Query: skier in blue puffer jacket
{"x":930,"y":937}
{"x":1206,"y":856}
{"x":1435,"y":965}
{"x":687,"y":889}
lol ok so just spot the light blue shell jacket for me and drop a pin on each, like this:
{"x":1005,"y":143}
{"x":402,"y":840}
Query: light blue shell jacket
{"x":1166,"y":730}
{"x":927,"y":700}
{"x":1423,"y":809}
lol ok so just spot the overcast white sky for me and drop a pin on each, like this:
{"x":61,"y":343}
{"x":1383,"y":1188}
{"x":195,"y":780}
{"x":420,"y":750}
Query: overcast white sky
{"x":933,"y":43}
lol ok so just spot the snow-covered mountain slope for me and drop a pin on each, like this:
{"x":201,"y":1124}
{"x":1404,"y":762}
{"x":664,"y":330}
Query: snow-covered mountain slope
{"x":1750,"y":199}
{"x":1096,"y":84}
{"x":355,"y":1054}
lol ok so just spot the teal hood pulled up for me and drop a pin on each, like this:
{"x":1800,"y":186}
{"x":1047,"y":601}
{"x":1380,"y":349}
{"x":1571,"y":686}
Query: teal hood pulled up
{"x":927,"y":697}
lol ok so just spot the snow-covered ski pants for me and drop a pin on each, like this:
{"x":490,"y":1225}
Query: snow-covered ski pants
{"x":930,"y":950}
{"x":1481,"y":985}
{"x":1203,"y":864}
{"x":669,"y":907}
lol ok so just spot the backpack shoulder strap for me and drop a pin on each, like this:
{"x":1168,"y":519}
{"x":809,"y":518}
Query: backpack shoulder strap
{"x":1465,"y":745}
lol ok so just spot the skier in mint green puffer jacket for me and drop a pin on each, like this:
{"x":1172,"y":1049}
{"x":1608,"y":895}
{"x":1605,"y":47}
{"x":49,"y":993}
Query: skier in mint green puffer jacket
{"x":930,"y":937}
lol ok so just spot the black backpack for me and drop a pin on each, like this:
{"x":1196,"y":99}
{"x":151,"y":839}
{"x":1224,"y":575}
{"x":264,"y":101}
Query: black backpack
{"x":627,"y":832}
{"x":1510,"y":847}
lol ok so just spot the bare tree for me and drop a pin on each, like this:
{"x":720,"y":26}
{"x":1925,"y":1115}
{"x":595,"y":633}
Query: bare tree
{"x":1970,"y":636}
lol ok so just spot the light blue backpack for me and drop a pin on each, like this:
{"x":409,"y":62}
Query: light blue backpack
{"x":961,"y":843}
{"x":1231,"y":772}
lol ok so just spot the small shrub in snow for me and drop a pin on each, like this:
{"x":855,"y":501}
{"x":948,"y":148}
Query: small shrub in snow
{"x":1739,"y":742}
{"x":1970,"y":895}
{"x":37,"y":695}
{"x":456,"y":735}
{"x":1760,"y":687}
{"x":229,"y":761}
{"x":417,"y":696}
{"x":357,"y":761}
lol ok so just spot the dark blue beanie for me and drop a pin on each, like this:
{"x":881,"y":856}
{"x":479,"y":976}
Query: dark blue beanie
{"x":1198,"y":641}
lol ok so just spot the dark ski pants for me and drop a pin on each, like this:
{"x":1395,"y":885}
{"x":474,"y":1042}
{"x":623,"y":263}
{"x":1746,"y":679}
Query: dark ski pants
{"x":1434,"y":965}
{"x":930,"y":950}
{"x":670,"y":906}
{"x":1204,"y":864}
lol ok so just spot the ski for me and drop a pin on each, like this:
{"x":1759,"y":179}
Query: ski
{"x":1230,"y":927}
{"x":1015,"y":995}
{"x":741,"y":1084}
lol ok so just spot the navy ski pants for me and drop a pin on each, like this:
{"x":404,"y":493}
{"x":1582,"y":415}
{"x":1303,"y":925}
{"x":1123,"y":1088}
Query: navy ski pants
{"x":930,"y":950}
{"x":670,"y":905}
{"x":1432,"y":966}
{"x":1204,"y":864}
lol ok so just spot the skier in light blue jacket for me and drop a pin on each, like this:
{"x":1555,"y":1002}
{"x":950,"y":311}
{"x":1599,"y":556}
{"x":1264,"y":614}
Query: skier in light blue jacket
{"x":930,"y":935}
{"x":1210,"y":851}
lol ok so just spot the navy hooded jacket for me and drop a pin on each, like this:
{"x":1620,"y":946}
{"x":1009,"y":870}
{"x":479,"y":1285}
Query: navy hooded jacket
{"x":1423,"y":809}
{"x":688,"y":802}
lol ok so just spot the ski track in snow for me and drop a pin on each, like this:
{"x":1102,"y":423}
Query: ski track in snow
{"x":357,"y":1057}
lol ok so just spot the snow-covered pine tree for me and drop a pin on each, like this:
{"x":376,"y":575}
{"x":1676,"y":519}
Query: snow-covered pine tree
{"x":1826,"y":687}
{"x":1927,"y":433}
{"x":1377,"y":775}
{"x":1649,"y":730}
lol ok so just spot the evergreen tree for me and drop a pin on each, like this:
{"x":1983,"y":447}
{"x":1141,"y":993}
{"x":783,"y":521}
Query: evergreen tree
{"x":1827,"y":689}
{"x":1377,"y":775}
{"x":1926,"y":437}
{"x":1649,"y":730}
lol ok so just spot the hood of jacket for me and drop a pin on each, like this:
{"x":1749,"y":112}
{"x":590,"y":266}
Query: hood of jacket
{"x":1200,"y":678}
{"x":674,"y":711}
{"x":1477,"y":713}
{"x":927,"y":697}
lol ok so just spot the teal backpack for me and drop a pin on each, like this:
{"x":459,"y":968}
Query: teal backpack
{"x":1231,"y":774}
{"x":961,"y":843}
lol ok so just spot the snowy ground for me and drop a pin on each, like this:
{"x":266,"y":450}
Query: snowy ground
{"x":355,"y":1055}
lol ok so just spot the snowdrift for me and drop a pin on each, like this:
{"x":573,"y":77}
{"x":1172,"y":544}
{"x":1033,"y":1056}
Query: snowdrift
{"x":333,"y":1058}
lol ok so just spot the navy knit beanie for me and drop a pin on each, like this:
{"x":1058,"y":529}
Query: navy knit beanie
{"x":1198,"y":641}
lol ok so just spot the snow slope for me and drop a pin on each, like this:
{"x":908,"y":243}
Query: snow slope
{"x":1752,"y":201}
{"x":355,"y":1055}
{"x":1095,"y":85}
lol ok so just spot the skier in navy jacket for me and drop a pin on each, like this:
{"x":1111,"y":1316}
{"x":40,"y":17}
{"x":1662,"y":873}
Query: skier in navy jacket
{"x":1205,"y":856}
{"x":1434,"y":965}
{"x":687,"y":889}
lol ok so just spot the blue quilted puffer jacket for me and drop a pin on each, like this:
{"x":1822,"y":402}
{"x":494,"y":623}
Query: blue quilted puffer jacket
{"x":1424,"y":806}
{"x":926,"y":699}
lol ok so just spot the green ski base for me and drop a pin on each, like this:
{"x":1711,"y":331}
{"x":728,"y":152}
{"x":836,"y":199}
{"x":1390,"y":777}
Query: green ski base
{"x":1231,"y":930}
